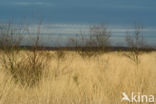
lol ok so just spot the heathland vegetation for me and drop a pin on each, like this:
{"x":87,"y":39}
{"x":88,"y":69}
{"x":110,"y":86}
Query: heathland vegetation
{"x":90,"y":72}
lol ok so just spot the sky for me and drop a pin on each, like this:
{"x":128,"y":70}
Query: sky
{"x":116,"y":13}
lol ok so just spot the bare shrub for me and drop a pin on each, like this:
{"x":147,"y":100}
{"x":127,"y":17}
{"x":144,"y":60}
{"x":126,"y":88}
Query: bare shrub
{"x":99,"y":37}
{"x":27,"y":67}
{"x":33,"y":68}
{"x":135,"y":41}
{"x":93,"y":43}
{"x":9,"y":44}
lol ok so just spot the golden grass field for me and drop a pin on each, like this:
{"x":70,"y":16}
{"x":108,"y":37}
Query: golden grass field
{"x":77,"y":80}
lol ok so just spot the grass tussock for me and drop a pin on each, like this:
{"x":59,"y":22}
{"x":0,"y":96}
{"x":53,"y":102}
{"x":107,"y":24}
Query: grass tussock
{"x":69,"y":79}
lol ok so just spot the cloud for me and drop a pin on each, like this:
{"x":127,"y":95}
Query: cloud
{"x":61,"y":28}
{"x":77,"y":28}
{"x":84,"y":4}
{"x":32,"y":3}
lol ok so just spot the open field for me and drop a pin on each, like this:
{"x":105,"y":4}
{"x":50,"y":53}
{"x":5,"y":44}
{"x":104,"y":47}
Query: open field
{"x":69,"y":78}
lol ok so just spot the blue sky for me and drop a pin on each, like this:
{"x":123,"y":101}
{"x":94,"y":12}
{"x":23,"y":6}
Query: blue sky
{"x":69,"y":16}
{"x":116,"y":12}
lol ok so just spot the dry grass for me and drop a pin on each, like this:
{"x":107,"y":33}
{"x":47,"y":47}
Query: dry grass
{"x":76,"y":80}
